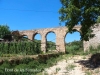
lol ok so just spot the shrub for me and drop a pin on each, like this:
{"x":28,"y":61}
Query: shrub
{"x":28,"y":48}
{"x":74,"y":47}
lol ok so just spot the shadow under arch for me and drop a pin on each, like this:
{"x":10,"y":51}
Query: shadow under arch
{"x":50,"y":41}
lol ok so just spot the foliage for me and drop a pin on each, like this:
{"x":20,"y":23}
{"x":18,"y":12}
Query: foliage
{"x":51,"y":45}
{"x":27,"y":48}
{"x":94,"y":50}
{"x":27,"y":66}
{"x":84,"y":12}
{"x":98,"y":20}
{"x":74,"y":47}
{"x":24,"y":47}
{"x":4,"y":30}
{"x":91,"y":50}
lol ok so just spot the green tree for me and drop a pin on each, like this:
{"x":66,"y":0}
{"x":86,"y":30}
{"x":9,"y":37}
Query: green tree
{"x":4,"y":30}
{"x":83,"y":12}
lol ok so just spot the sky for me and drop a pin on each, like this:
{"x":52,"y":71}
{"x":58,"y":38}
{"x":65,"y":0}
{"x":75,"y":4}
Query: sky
{"x":33,"y":14}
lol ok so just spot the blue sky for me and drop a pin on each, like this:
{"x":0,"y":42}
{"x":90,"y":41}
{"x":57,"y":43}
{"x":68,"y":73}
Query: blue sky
{"x":32,"y":14}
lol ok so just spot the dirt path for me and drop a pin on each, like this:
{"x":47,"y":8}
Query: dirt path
{"x":70,"y":67}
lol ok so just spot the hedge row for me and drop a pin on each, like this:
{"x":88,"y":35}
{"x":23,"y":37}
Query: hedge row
{"x":20,"y":48}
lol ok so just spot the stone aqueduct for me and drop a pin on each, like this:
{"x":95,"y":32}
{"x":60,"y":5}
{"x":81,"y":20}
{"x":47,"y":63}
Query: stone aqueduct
{"x":60,"y":33}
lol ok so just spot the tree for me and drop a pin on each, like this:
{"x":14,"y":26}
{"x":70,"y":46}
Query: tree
{"x":4,"y":30}
{"x":83,"y":12}
{"x":7,"y":37}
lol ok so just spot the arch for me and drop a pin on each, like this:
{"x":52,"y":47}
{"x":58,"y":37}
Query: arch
{"x":37,"y":35}
{"x":73,"y":41}
{"x":77,"y":28}
{"x":50,"y":41}
{"x":25,"y":38}
{"x":71,"y":34}
{"x":50,"y":32}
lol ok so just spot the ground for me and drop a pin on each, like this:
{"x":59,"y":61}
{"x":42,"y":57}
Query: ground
{"x":74,"y":65}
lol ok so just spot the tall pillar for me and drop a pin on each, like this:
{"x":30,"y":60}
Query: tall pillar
{"x":43,"y":44}
{"x":60,"y":44}
{"x":60,"y":40}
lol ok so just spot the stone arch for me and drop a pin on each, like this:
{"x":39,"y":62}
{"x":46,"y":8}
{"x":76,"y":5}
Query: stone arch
{"x":26,"y":37}
{"x":71,"y":35}
{"x":75,"y":30}
{"x":53,"y":45}
{"x":35,"y":35}
{"x":50,"y":32}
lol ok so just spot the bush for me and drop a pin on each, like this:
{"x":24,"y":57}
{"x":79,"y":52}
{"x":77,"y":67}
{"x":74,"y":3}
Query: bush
{"x":74,"y":47}
{"x":28,"y":48}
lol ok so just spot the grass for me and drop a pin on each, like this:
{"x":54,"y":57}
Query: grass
{"x":31,"y":64}
{"x":54,"y":61}
{"x":70,"y":67}
{"x":88,"y":73}
{"x":92,"y":72}
{"x":8,"y":55}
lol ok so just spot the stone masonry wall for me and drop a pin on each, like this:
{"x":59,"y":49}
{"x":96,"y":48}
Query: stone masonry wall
{"x":95,"y":41}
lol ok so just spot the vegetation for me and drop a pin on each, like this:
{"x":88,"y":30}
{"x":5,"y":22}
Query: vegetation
{"x":28,"y":66}
{"x":70,"y":67}
{"x":32,"y":66}
{"x":74,"y":47}
{"x":51,"y":45}
{"x":84,"y":12}
{"x":27,"y":48}
{"x":24,"y":47}
{"x":4,"y":30}
{"x":98,"y":20}
{"x":93,"y":50}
